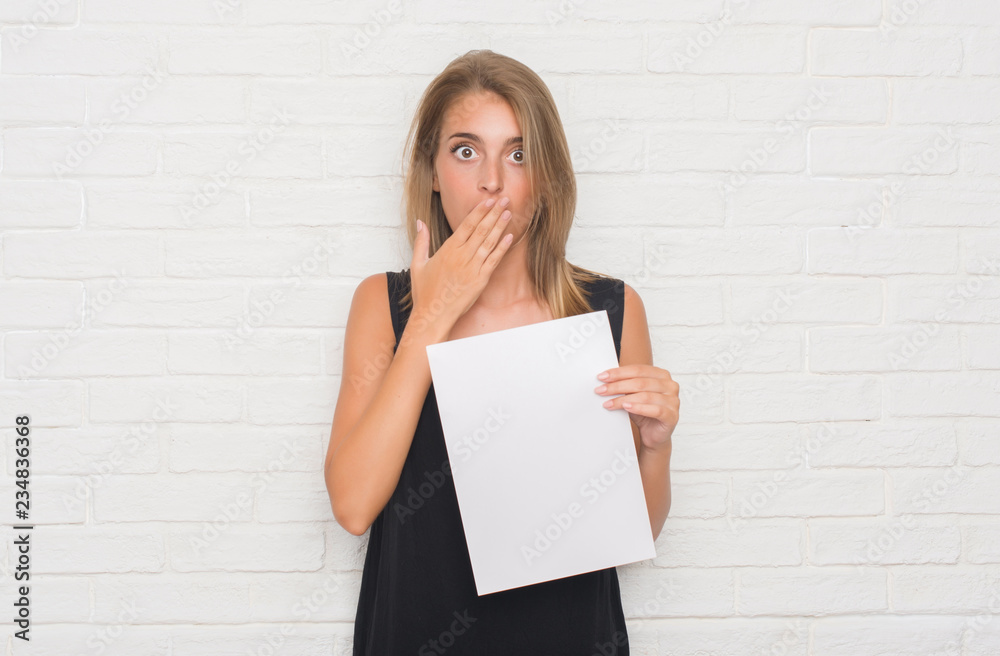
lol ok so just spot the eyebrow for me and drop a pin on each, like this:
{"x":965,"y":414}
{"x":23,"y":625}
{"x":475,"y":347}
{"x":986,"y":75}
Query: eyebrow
{"x":472,"y":137}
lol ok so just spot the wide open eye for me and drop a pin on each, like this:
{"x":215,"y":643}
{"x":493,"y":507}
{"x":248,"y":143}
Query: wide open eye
{"x":463,"y":150}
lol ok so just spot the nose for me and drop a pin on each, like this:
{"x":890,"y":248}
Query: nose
{"x":491,"y":181}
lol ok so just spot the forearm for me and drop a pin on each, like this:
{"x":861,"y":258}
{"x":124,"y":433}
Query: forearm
{"x":654,"y":468}
{"x":364,"y":472}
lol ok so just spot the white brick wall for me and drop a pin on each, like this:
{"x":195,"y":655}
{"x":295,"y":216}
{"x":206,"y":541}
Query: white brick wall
{"x":804,"y":193}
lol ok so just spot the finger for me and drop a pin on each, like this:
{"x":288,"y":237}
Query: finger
{"x":472,"y":221}
{"x":421,"y":247}
{"x":484,"y":228}
{"x":496,"y":234}
{"x":494,"y":258}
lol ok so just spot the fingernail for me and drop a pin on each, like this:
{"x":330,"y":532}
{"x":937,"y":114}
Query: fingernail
{"x":420,"y":225}
{"x":491,"y":202}
{"x":603,"y":375}
{"x":504,"y":202}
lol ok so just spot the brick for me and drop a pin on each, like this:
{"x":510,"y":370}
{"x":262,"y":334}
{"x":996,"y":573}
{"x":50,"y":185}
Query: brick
{"x":660,"y":200}
{"x":795,"y":201}
{"x":79,"y":51}
{"x":40,"y":204}
{"x":302,"y":304}
{"x":258,"y":253}
{"x":84,"y":353}
{"x":953,"y":299}
{"x":878,"y":150}
{"x":300,"y":401}
{"x":897,"y":348}
{"x":881,"y":251}
{"x":982,"y":56}
{"x":721,"y":47}
{"x":792,"y":100}
{"x":195,"y":598}
{"x":698,"y":448}
{"x":843,"y":12}
{"x":761,"y":305}
{"x":907,"y":52}
{"x":272,"y":151}
{"x":953,"y":202}
{"x":897,"y":444}
{"x":98,"y":450}
{"x":300,"y":203}
{"x":979,"y":248}
{"x":681,"y":305}
{"x":244,"y":52}
{"x":48,"y":403}
{"x":43,"y":100}
{"x":944,"y":588}
{"x":210,"y":498}
{"x":980,"y":151}
{"x":978,"y":442}
{"x":957,"y":489}
{"x":609,"y":146}
{"x":742,"y":152}
{"x":639,"y":97}
{"x":238,"y":447}
{"x":713,"y":352}
{"x":677,"y":592}
{"x":722,"y":543}
{"x":807,"y":493}
{"x":176,"y":398}
{"x":944,"y":394}
{"x":338,"y":101}
{"x":886,"y":634}
{"x":294,"y":497}
{"x":55,"y":500}
{"x":919,"y":100}
{"x":247,"y":548}
{"x":161,"y":98}
{"x":811,"y":591}
{"x":715,"y":251}
{"x":50,"y":304}
{"x":263,"y":353}
{"x":694,"y":495}
{"x":81,"y":254}
{"x":803,"y":397}
{"x":980,"y":540}
{"x":104,"y":150}
{"x":193,"y":12}
{"x":981,"y":342}
{"x":402,"y":49}
{"x":163,"y":204}
{"x":100,"y":549}
{"x":33,"y":14}
{"x":893,"y":540}
{"x":162,"y":304}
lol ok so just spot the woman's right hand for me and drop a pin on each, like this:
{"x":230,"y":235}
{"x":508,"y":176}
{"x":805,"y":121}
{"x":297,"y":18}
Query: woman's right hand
{"x":445,"y":286}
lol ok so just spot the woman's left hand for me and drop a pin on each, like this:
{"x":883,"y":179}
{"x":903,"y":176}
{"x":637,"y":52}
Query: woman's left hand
{"x":650,"y":397}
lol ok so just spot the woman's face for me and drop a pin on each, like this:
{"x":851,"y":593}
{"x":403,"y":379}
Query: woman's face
{"x":480,"y":156}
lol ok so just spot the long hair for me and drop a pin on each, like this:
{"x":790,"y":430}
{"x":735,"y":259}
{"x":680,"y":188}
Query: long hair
{"x":548,"y":165}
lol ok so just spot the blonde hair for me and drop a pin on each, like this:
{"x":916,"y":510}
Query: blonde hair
{"x":547,"y":160}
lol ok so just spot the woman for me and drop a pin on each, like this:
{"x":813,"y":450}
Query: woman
{"x":490,"y":196}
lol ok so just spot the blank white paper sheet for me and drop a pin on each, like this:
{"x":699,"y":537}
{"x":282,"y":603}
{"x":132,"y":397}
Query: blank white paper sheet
{"x":547,"y":478}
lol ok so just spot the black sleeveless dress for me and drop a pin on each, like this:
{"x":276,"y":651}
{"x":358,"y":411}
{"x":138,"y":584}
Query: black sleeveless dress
{"x":418,"y":595}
